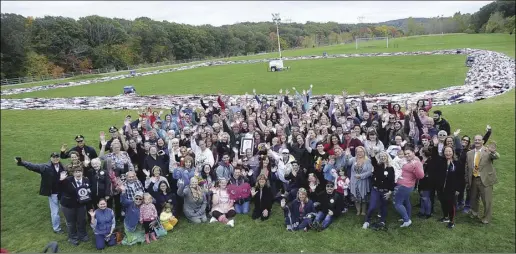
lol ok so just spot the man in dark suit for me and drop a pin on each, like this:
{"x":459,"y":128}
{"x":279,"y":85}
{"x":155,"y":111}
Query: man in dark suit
{"x":481,"y":177}
{"x":75,"y":195}
{"x":49,"y":172}
{"x":81,"y":149}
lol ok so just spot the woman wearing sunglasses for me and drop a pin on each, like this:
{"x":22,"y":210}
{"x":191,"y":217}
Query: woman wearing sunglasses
{"x":133,"y":230}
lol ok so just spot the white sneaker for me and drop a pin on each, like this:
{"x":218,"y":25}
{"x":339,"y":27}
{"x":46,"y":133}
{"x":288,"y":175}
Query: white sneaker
{"x":406,"y":224}
{"x":231,"y":223}
{"x":289,"y":227}
{"x":366,"y":225}
{"x":213,"y":220}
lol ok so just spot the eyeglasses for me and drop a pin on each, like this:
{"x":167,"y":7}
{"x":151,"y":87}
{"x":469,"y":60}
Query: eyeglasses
{"x":79,"y":141}
{"x":138,"y":198}
{"x":442,"y":135}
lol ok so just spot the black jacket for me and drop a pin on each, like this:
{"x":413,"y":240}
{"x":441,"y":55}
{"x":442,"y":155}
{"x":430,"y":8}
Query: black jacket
{"x":383,"y":177}
{"x":298,"y":181}
{"x":49,"y":176}
{"x":443,"y":125}
{"x":100,"y":182}
{"x":428,"y":181}
{"x":90,"y":151}
{"x":331,"y":202}
{"x":265,"y":203}
{"x":162,"y":161}
{"x":68,"y":190}
{"x":446,"y":176}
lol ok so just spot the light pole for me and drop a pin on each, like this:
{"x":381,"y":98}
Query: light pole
{"x":276,"y":18}
{"x":441,"y":19}
{"x":360,"y":20}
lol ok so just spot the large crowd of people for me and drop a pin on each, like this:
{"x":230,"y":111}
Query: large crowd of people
{"x":318,"y":159}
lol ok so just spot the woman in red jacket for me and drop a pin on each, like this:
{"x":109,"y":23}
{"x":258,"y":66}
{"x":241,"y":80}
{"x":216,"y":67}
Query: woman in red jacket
{"x":396,"y":111}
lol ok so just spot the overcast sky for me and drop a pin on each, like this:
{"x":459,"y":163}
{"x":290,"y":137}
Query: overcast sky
{"x":222,"y":13}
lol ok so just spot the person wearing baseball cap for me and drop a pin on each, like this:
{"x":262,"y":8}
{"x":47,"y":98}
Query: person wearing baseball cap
{"x":75,"y":195}
{"x":114,"y":135}
{"x":81,"y":148}
{"x":133,"y":233}
{"x":49,"y":173}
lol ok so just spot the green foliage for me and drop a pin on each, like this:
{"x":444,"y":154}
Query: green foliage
{"x":495,"y":24}
{"x":117,"y":43}
{"x":37,"y":65}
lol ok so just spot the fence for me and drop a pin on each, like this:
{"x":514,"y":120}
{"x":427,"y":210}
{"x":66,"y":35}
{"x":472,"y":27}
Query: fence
{"x":30,"y":79}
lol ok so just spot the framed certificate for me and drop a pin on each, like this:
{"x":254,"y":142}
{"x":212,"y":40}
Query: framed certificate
{"x":246,"y":143}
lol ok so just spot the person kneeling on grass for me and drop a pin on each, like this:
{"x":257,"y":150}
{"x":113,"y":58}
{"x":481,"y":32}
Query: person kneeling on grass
{"x":262,"y":199}
{"x":133,"y":229}
{"x":223,"y":209}
{"x":299,"y":213}
{"x":330,"y":207}
{"x":103,"y":224}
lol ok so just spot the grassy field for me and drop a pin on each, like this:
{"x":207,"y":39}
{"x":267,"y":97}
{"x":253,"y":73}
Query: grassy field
{"x":26,"y":223}
{"x":373,"y":74}
{"x":90,"y":76}
{"x":34,"y":134}
{"x":496,"y":42}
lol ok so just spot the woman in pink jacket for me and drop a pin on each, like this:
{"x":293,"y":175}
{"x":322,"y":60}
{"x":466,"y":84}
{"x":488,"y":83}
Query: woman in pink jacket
{"x":411,"y":171}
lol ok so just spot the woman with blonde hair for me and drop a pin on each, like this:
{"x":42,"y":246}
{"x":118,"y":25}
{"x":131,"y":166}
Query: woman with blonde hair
{"x":361,"y":170}
{"x":383,"y":185}
{"x":299,"y":213}
{"x":195,"y":202}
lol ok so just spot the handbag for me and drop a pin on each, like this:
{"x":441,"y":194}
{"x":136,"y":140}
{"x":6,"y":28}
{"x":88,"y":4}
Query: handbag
{"x":159,"y":229}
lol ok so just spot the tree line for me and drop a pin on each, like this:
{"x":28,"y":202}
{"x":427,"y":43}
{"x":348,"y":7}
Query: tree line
{"x":54,"y":45}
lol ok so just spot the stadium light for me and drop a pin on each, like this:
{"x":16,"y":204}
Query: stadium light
{"x":276,"y":18}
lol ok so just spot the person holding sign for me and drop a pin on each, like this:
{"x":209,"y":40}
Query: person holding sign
{"x":75,"y":195}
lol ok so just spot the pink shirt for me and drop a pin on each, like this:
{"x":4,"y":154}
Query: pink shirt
{"x":410,"y":172}
{"x":148,"y":212}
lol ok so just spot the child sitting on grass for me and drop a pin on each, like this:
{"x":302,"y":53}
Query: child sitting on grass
{"x":167,"y":219}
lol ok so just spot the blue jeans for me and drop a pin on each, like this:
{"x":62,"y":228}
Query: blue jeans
{"x":243,"y":208}
{"x":54,"y":212}
{"x":402,"y":201}
{"x":326,"y":219}
{"x":426,"y":204}
{"x":100,"y":241}
{"x":377,"y":197}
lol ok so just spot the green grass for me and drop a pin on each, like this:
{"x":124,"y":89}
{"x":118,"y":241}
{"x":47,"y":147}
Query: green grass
{"x":90,"y":76}
{"x":373,"y":74}
{"x":496,"y":42}
{"x":26,"y":223}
